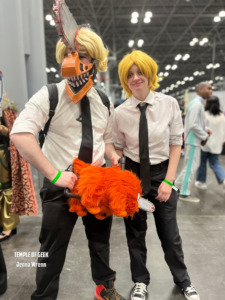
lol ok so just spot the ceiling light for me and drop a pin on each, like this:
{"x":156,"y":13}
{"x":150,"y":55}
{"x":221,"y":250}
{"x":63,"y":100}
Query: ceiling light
{"x":195,"y":40}
{"x":186,"y":78}
{"x":196,"y":73}
{"x":134,"y":20}
{"x":216,"y":19}
{"x":191,"y":78}
{"x":205,"y":40}
{"x":192,"y":43}
{"x":222,"y":14}
{"x":131,"y":43}
{"x":168,"y":67}
{"x":47,"y":70}
{"x":178,"y":57}
{"x":140,"y":43}
{"x":174,"y":67}
{"x":147,"y":20}
{"x":186,"y":56}
{"x":53,"y":69}
{"x":160,"y":74}
{"x":148,"y":14}
{"x":217,"y":65}
{"x":48,"y":17}
{"x":209,"y":66}
{"x":56,"y":75}
{"x":52,"y":23}
{"x":166,"y":74}
{"x":135,"y":15}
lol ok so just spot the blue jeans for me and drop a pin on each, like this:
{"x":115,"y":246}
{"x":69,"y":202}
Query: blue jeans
{"x":215,"y":165}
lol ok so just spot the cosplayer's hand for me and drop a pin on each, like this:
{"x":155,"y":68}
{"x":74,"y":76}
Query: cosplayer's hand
{"x":66,"y":180}
{"x":115,"y":160}
{"x":164,"y":192}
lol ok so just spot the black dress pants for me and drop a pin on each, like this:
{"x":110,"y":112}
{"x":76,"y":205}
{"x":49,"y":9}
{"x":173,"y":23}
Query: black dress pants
{"x":166,"y":226}
{"x":3,"y":273}
{"x":56,"y":230}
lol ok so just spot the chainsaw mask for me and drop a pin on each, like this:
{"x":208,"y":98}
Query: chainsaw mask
{"x":79,"y":76}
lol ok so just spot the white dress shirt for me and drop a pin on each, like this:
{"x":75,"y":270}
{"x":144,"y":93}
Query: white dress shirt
{"x":63,"y":140}
{"x":165,"y":126}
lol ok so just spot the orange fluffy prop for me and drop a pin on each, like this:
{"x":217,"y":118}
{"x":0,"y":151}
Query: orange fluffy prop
{"x":104,"y":191}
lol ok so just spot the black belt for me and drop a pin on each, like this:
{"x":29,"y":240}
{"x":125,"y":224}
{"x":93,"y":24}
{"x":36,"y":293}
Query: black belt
{"x":156,"y":167}
{"x":5,"y":185}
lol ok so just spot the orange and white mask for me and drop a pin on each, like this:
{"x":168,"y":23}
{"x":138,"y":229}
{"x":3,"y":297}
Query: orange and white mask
{"x":80,"y":72}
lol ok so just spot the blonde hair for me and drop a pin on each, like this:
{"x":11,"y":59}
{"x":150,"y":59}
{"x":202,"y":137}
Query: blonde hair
{"x":145,"y":63}
{"x":88,"y":41}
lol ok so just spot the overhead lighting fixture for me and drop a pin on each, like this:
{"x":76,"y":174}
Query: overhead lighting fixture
{"x":56,"y":75}
{"x":134,"y":20}
{"x":147,"y":20}
{"x":131,"y":43}
{"x":140,"y":43}
{"x":48,"y":17}
{"x":186,"y":56}
{"x":53,"y":69}
{"x":47,"y":70}
{"x":148,"y":14}
{"x":222,"y":14}
{"x":168,"y":67}
{"x":203,"y":41}
{"x":52,"y":23}
{"x":193,"y":41}
{"x":178,"y":57}
{"x":174,"y":67}
{"x":135,"y":15}
{"x":217,"y":19}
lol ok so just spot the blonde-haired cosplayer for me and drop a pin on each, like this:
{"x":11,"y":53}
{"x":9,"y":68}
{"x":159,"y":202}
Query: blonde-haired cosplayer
{"x":79,"y":75}
{"x":145,"y":63}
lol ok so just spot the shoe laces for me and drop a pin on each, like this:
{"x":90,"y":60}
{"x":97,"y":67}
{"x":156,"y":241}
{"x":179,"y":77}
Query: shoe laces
{"x":190,"y":289}
{"x":113,"y":294}
{"x":140,"y":289}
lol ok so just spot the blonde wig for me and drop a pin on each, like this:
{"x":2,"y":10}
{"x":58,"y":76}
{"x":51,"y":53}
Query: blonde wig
{"x":145,"y":63}
{"x":86,"y":41}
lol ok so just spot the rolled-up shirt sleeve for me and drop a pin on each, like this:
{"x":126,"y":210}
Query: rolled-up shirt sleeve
{"x":108,"y":137}
{"x":35,"y":114}
{"x":176,"y":126}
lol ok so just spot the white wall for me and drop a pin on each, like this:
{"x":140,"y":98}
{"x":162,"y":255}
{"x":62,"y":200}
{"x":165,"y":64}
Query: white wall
{"x":22,"y":48}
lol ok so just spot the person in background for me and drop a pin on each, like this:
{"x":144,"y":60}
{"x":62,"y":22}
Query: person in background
{"x":79,"y":108}
{"x":147,"y":130}
{"x":8,"y":222}
{"x":215,"y":121}
{"x":195,"y":135}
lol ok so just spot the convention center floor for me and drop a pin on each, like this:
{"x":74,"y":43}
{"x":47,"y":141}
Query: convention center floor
{"x":202,"y":228}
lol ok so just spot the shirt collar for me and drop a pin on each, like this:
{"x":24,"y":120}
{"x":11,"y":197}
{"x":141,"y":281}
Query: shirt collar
{"x":150,"y":99}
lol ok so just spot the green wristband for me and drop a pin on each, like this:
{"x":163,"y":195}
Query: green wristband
{"x":168,"y":182}
{"x":56,"y":177}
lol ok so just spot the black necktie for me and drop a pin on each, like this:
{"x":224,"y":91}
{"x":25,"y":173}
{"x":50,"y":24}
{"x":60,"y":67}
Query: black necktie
{"x":86,"y":148}
{"x":144,"y":151}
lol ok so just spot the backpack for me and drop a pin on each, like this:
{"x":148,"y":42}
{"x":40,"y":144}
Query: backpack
{"x":53,"y":98}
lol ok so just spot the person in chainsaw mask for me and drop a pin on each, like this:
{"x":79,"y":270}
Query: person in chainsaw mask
{"x":79,"y":108}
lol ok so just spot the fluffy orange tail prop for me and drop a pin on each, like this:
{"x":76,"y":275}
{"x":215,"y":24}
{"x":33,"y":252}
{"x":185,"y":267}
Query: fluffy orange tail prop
{"x":104,"y":191}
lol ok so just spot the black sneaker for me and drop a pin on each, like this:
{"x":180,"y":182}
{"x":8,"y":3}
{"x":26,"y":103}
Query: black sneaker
{"x":139,"y":291}
{"x":190,"y":293}
{"x":102,"y":293}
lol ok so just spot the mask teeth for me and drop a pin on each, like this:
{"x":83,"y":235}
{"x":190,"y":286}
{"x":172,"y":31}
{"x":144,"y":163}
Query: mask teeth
{"x":77,"y":84}
{"x":80,"y":82}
